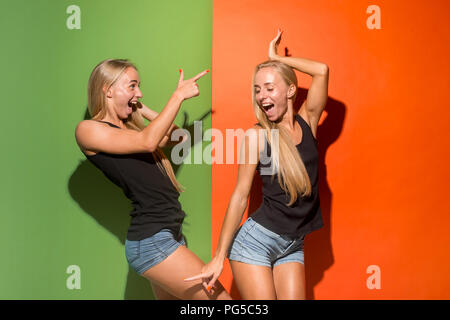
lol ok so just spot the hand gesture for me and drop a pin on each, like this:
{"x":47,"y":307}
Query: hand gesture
{"x":273,"y":46}
{"x":189,"y":88}
{"x":209,"y":275}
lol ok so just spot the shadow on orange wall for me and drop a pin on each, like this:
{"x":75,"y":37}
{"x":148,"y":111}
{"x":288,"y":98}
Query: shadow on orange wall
{"x":318,"y":249}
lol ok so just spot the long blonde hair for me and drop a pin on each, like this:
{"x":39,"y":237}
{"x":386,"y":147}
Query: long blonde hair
{"x":292,"y":175}
{"x":104,"y":75}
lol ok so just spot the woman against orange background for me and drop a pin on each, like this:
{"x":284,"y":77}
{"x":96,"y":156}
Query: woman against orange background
{"x":266,"y":254}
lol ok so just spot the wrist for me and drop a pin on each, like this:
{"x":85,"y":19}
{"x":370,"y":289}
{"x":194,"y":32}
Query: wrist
{"x":275,"y":57}
{"x":178,"y":96}
{"x":220,"y":256}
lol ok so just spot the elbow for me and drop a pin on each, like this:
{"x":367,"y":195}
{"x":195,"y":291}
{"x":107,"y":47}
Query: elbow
{"x":152,"y":147}
{"x":324,"y":70}
{"x":148,"y":141}
{"x":244,"y":203}
{"x":241,"y":200}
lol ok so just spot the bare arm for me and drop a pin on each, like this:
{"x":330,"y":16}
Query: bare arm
{"x":150,"y":115}
{"x":238,"y":202}
{"x":236,"y":208}
{"x":318,"y":92}
{"x":91,"y":135}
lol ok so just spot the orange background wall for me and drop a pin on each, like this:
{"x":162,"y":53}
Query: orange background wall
{"x":383,"y":138}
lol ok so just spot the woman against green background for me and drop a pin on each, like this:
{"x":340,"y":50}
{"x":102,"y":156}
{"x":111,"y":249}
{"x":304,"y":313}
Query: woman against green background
{"x":117,"y":141}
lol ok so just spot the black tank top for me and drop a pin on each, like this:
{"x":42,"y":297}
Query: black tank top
{"x":305,"y":215}
{"x":153,"y":196}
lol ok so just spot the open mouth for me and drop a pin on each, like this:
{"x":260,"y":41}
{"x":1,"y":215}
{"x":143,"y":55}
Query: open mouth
{"x":267,"y":106}
{"x":133,"y":104}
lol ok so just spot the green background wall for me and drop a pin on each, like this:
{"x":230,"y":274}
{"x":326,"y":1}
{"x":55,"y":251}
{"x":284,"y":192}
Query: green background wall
{"x":57,"y":209}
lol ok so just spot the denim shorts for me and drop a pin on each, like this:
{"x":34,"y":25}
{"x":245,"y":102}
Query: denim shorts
{"x":257,"y":245}
{"x":144,"y":254}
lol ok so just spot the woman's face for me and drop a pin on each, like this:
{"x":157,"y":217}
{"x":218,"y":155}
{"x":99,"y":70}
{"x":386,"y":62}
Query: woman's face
{"x":271,"y":93}
{"x":125,"y":92}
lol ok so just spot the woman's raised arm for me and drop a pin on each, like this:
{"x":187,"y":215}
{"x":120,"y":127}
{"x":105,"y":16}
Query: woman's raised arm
{"x":150,"y":115}
{"x":318,"y":92}
{"x":98,"y":138}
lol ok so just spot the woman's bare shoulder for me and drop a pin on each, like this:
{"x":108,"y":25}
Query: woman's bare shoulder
{"x":90,"y":125}
{"x":84,"y":130}
{"x":87,"y":124}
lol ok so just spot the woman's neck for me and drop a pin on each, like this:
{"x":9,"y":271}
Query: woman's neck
{"x":288,"y":118}
{"x":112,"y":117}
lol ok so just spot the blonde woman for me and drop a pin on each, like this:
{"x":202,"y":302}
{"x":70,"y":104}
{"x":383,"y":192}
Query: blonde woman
{"x":266,"y":254}
{"x":117,"y":141}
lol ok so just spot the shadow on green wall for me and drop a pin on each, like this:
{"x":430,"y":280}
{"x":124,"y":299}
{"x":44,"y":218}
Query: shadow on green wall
{"x":106,"y":203}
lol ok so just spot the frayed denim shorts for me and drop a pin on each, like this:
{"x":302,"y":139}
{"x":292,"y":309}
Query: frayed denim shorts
{"x":257,"y":245}
{"x":144,"y":254}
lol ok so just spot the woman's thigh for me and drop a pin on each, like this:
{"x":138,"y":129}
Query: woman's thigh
{"x":171,"y":272}
{"x":161,"y":294}
{"x":254,"y":282}
{"x":289,"y":280}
